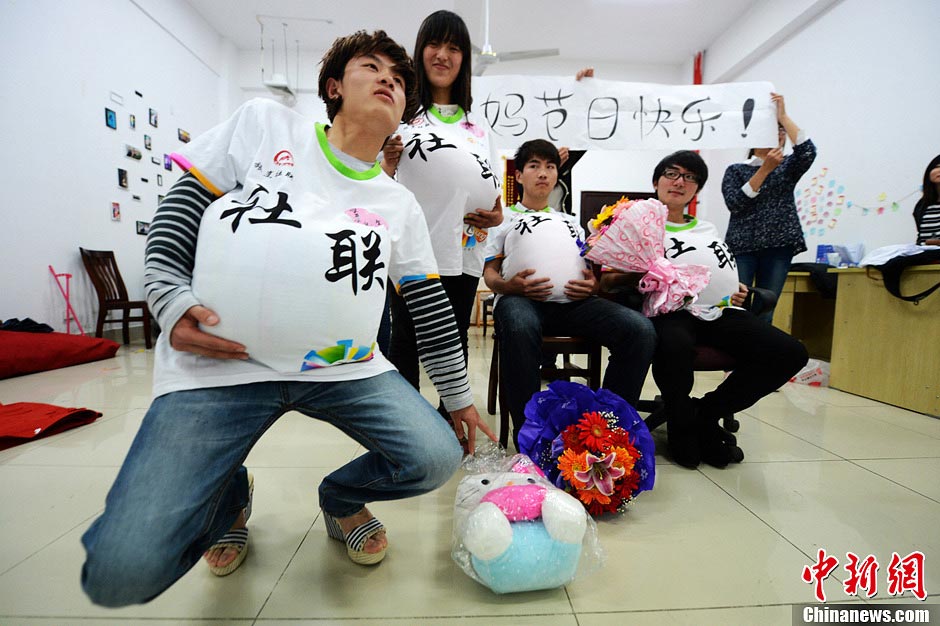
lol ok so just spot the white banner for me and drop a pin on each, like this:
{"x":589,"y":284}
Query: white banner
{"x":612,"y":115}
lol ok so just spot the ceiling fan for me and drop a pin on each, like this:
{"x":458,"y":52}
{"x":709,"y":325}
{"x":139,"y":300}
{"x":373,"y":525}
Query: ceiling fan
{"x":486,"y":56}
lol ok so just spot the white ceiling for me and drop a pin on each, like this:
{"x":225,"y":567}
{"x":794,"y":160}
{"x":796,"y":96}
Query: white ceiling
{"x":594,"y":31}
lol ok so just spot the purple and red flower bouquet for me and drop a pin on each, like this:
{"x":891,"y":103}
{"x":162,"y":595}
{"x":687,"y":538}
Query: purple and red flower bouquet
{"x":592,"y":444}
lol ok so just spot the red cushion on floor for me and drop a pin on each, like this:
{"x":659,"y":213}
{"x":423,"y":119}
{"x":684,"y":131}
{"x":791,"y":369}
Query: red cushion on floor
{"x":25,"y":353}
{"x":24,"y":421}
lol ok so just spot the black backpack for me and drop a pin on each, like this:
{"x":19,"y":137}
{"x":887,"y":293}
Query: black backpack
{"x":892,"y":270}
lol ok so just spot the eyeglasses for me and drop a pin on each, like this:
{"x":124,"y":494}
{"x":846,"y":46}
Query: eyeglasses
{"x":676,"y":174}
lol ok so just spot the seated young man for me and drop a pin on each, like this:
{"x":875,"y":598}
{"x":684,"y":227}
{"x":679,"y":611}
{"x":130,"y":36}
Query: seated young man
{"x":283,"y":237}
{"x":765,"y":356}
{"x":545,"y":287}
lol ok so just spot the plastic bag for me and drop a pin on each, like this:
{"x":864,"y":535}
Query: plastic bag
{"x":815,"y":374}
{"x":851,"y":253}
{"x":515,"y":531}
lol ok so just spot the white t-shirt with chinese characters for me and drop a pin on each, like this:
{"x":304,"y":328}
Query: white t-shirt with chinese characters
{"x":547,"y":241}
{"x":296,"y":255}
{"x":698,"y":242}
{"x":451,"y":166}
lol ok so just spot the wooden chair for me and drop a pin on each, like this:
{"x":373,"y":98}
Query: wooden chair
{"x":112,"y":294}
{"x":566,"y":346}
{"x":487,"y":309}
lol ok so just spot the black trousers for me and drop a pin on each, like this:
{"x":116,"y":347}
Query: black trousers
{"x":765,"y":358}
{"x":403,"y":351}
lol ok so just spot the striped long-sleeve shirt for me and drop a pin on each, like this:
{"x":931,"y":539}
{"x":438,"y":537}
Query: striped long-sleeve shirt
{"x":927,"y":220}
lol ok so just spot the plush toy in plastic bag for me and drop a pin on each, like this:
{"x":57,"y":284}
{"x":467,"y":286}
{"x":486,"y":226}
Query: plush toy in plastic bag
{"x":515,"y":531}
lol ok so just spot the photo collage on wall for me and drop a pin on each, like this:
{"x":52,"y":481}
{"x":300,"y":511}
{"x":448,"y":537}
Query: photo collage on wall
{"x":143,"y":182}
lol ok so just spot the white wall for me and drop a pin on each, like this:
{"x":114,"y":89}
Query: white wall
{"x":861,"y":79}
{"x":758,"y":31}
{"x":304,"y":82}
{"x":62,"y":61}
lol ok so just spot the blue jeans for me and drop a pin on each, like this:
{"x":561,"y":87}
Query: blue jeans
{"x":766,"y":269}
{"x":182,"y":484}
{"x":521,"y":323}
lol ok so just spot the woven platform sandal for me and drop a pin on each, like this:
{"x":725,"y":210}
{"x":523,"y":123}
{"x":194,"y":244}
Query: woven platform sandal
{"x":236,"y":538}
{"x":356,"y":540}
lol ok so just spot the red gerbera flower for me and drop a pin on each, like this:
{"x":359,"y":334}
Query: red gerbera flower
{"x":593,"y":431}
{"x":620,"y":438}
{"x":596,"y":508}
{"x":569,"y":437}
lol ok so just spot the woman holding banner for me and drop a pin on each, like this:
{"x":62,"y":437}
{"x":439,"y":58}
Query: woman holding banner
{"x":449,"y":162}
{"x":764,"y":231}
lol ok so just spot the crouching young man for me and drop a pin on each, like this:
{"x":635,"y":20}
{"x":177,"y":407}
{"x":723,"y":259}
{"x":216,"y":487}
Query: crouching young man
{"x":282,"y":237}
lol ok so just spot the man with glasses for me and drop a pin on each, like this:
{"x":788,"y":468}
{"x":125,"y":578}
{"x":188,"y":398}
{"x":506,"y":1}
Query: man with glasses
{"x":765,"y":356}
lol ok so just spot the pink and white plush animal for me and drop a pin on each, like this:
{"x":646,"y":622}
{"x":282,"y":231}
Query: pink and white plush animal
{"x":520,"y":532}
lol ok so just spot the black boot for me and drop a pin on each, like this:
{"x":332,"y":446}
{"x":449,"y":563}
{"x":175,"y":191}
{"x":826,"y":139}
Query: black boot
{"x":718,"y":446}
{"x":683,"y":440}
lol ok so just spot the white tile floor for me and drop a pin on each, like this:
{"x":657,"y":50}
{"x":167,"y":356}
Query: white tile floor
{"x":824,"y":469}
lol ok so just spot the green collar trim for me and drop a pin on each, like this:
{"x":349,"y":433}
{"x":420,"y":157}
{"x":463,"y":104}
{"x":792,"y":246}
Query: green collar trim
{"x":675,"y":228}
{"x":520,"y":208}
{"x":456,"y":117}
{"x":341,"y":167}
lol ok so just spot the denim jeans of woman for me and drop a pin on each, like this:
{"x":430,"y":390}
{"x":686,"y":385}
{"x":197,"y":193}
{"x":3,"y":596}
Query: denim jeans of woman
{"x":183,"y":485}
{"x":766,"y":269}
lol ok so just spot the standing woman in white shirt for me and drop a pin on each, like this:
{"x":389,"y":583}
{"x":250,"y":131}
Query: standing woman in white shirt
{"x":449,"y":163}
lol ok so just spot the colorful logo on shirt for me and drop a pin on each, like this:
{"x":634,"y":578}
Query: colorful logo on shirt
{"x":342,"y":352}
{"x":284,"y":157}
{"x":367,"y":218}
{"x":472,"y":236}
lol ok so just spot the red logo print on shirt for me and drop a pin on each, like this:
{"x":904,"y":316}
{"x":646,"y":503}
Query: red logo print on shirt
{"x":284,"y":157}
